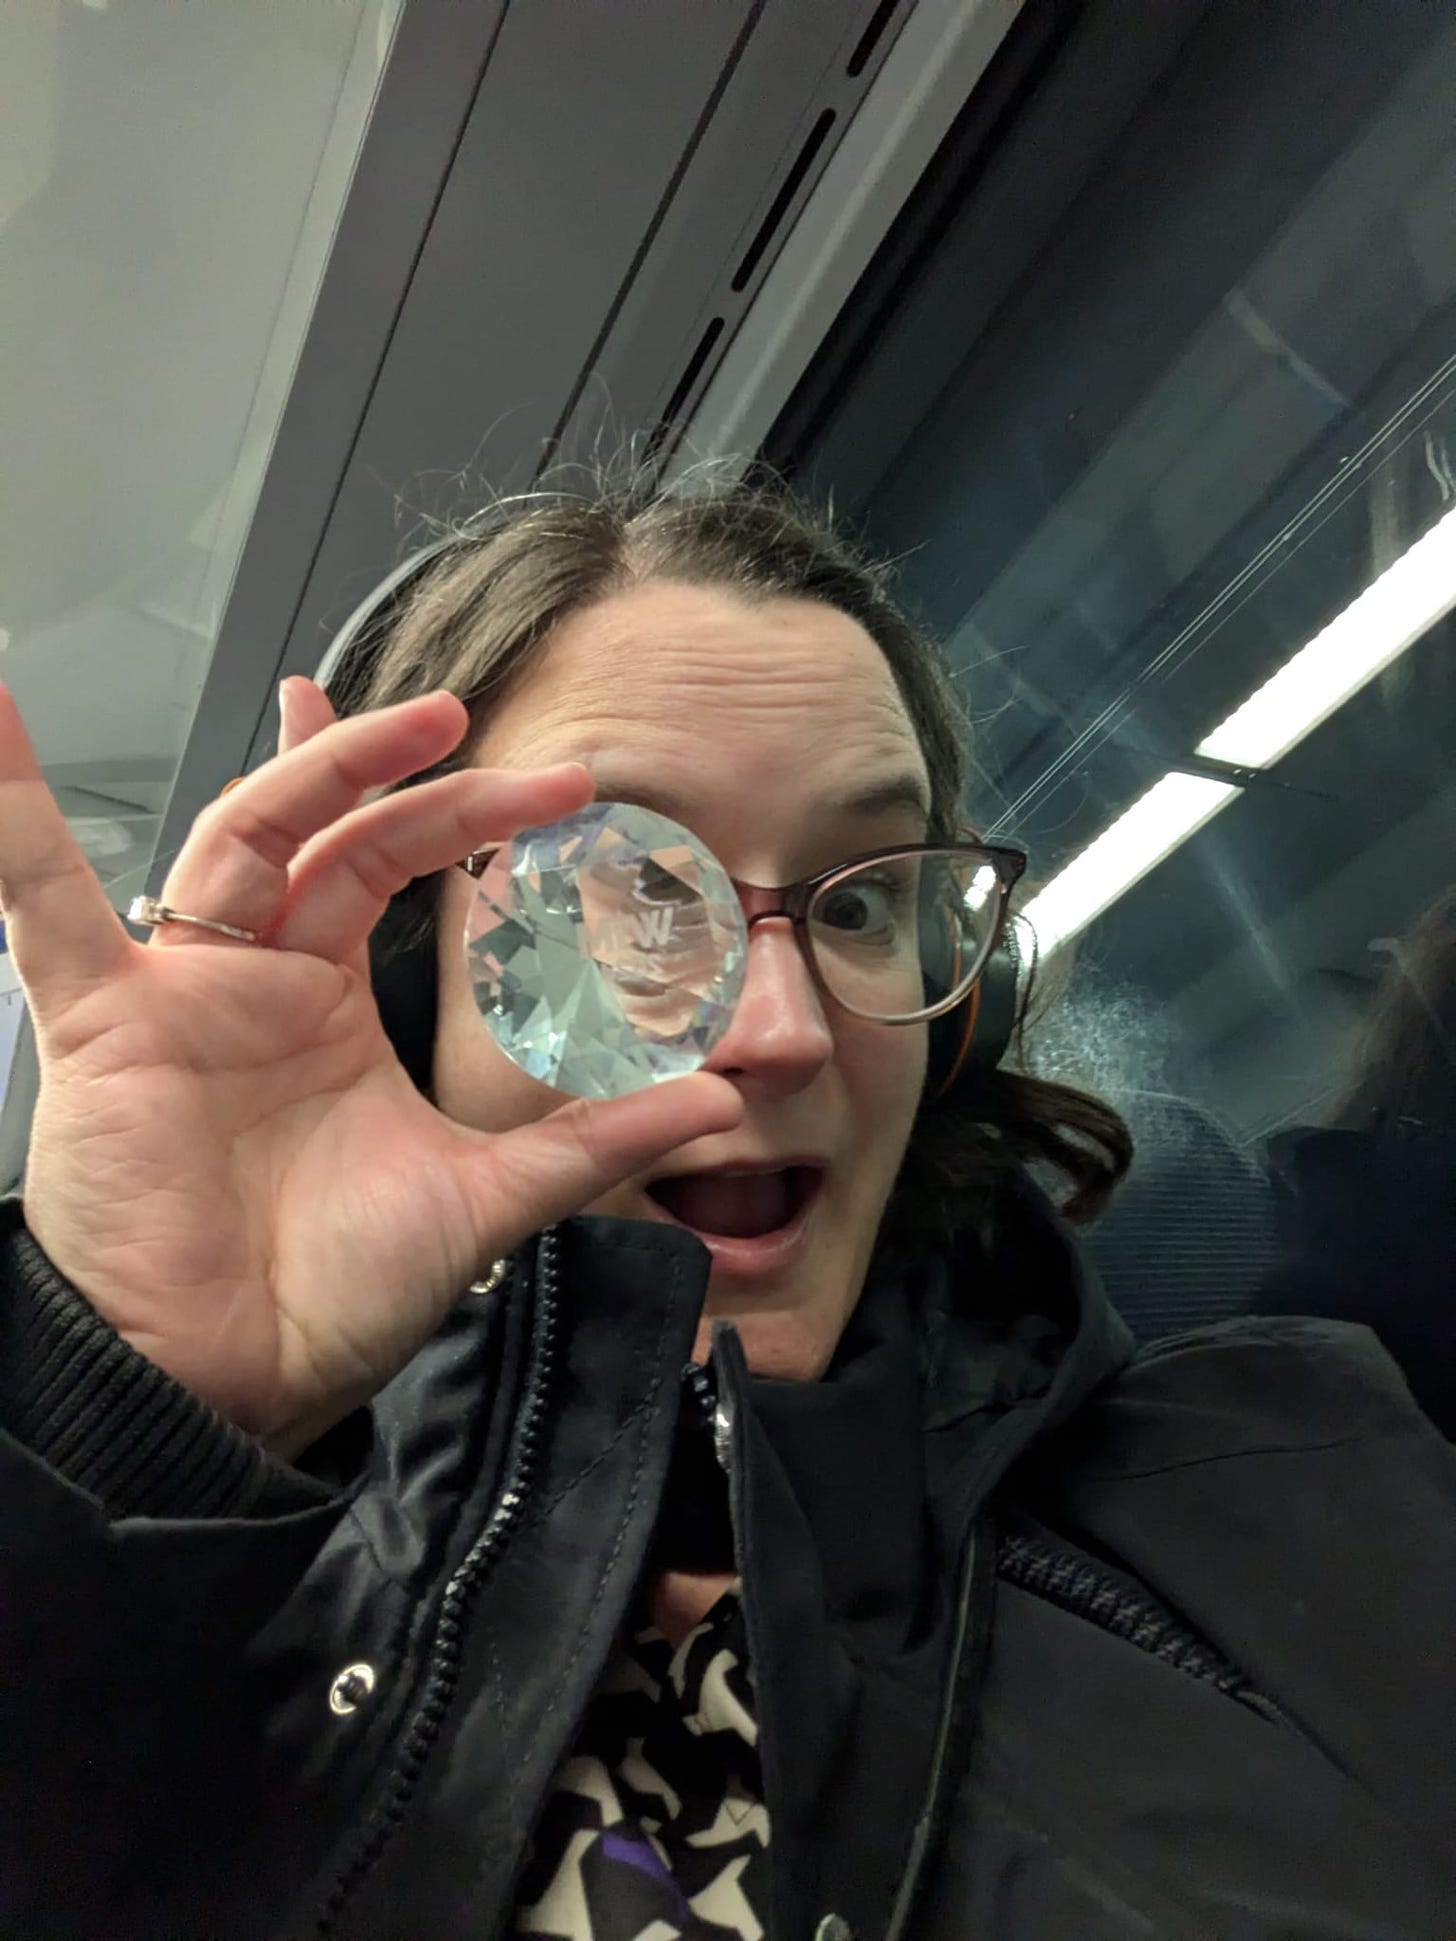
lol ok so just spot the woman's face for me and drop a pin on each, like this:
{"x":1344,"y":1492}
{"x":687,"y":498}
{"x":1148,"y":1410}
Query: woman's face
{"x":756,"y":726}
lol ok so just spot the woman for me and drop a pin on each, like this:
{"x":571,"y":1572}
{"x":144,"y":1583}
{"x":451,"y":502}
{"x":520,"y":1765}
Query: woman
{"x":352,"y":1589}
{"x":1369,"y":1200}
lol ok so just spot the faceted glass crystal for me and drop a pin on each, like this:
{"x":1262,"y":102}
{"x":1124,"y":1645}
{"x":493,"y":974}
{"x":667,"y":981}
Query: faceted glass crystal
{"x":606,"y":951}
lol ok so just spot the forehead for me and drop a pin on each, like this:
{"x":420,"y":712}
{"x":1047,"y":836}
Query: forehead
{"x":690,"y":687}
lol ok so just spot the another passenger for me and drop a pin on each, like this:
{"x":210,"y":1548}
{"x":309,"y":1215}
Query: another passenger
{"x":1369,"y":1210}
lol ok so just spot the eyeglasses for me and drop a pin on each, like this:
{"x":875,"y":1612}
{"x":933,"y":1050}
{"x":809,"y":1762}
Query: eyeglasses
{"x":898,"y":936}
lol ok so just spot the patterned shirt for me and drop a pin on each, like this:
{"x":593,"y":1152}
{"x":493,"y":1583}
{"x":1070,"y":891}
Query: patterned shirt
{"x":655,"y":1829}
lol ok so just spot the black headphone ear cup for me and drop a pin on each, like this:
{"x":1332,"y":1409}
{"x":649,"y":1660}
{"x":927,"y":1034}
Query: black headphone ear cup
{"x":948,"y":1050}
{"x":975,"y":1035}
{"x":1000,"y":999}
{"x":405,"y":980}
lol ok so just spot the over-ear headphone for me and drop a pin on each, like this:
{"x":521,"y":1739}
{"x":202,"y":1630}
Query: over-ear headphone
{"x":973,"y":1037}
{"x":967,"y":1041}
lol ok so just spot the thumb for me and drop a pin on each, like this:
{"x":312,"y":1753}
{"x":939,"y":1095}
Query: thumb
{"x":523,"y":1180}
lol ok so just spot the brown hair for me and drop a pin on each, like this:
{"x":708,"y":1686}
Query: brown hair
{"x":480,"y":612}
{"x":1406,"y":1061}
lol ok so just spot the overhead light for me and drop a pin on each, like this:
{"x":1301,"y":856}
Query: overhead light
{"x":1111,"y":863}
{"x":101,"y":838}
{"x":1403,"y":603}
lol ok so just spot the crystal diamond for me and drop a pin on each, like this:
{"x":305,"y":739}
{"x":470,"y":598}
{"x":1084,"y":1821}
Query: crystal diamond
{"x":606,"y":951}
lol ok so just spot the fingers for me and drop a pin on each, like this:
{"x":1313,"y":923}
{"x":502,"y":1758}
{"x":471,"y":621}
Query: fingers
{"x":60,"y":928}
{"x":304,"y":710}
{"x":234,"y":866}
{"x":552,"y":1168}
{"x":341,"y":884}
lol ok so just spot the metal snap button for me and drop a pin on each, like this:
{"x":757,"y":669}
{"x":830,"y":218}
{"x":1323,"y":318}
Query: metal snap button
{"x":349,"y":1690}
{"x":834,"y":1927}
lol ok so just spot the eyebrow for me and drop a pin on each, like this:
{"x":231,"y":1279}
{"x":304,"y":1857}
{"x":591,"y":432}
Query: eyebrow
{"x":906,"y":791}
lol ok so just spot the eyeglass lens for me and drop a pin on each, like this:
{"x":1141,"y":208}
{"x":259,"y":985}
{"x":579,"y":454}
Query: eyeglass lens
{"x":902,"y":934}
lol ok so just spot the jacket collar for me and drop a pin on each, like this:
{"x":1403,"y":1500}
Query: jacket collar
{"x":855,"y":1499}
{"x":1018,"y":1334}
{"x":948,"y":1371}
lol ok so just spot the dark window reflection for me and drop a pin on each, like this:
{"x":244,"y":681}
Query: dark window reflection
{"x":1157,"y":380}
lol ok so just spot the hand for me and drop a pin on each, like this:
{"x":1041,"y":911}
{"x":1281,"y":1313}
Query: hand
{"x":227,"y":1158}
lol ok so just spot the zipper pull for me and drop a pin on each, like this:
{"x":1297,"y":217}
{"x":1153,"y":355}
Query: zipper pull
{"x":730,"y":1377}
{"x":714,"y":1411}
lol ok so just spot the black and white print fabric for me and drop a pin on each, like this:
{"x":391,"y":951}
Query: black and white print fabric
{"x":656,"y":1828}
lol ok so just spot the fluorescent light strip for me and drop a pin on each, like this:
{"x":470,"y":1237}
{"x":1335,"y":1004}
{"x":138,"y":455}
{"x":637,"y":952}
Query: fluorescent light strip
{"x":1140,"y":838}
{"x":1377,"y":626}
{"x":1405,"y":601}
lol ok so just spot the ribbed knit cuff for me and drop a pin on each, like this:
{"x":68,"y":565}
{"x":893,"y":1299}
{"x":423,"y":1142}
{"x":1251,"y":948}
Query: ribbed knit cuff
{"x":79,"y":1397}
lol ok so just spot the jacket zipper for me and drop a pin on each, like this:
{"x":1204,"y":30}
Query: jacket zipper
{"x":716,"y":1397}
{"x":444,"y":1666}
{"x":1075,"y":1584}
{"x":961,"y":1695}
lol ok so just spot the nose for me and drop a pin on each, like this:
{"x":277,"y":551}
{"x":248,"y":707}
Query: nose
{"x":779,"y":1039}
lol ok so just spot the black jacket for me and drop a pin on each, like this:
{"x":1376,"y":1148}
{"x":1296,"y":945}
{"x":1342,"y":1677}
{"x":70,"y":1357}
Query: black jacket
{"x":1047,"y":1642}
{"x":1369,"y":1234}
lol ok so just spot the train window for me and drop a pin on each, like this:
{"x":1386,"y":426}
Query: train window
{"x":170,"y":181}
{"x":1153,"y":399}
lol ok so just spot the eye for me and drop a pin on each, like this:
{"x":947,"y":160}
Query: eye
{"x":868,"y":907}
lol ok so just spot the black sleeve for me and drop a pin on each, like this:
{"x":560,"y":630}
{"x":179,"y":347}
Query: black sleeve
{"x":83,"y":1402}
{"x":148,"y":1551}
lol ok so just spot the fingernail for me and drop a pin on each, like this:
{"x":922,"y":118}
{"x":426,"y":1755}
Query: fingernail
{"x":283,"y":710}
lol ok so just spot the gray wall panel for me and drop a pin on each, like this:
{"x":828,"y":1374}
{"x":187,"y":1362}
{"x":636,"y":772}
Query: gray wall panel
{"x":423,"y":105}
{"x":576,"y":138}
{"x":794,"y":70}
{"x":594,"y":175}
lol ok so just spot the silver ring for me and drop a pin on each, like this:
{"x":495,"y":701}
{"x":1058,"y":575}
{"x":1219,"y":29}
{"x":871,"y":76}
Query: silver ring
{"x":147,"y":910}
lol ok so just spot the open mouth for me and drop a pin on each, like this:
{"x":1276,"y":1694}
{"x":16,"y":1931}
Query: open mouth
{"x":738,"y":1206}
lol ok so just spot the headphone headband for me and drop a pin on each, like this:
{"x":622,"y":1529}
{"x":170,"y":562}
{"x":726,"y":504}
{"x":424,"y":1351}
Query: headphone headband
{"x":389,"y":592}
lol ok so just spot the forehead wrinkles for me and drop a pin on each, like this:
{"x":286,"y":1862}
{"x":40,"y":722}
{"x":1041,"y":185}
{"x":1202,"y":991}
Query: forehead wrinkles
{"x":664,"y":648}
{"x":760,"y":738}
